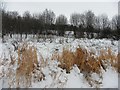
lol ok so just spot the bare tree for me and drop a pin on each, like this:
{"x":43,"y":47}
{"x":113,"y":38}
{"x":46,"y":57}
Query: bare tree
{"x":97,"y":24}
{"x":82,"y":20}
{"x":104,"y":21}
{"x":48,"y":17}
{"x":2,"y":10}
{"x":61,"y":20}
{"x":105,"y":26}
{"x":90,"y":18}
{"x":75,"y":19}
{"x":26,"y":15}
{"x":116,"y":25}
{"x":115,"y":22}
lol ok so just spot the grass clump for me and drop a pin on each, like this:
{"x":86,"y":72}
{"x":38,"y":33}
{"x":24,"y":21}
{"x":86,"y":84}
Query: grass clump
{"x":27,"y":59}
{"x":66,"y":60}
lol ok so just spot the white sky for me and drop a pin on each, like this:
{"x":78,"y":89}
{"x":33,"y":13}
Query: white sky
{"x":109,"y":7}
{"x":61,"y":0}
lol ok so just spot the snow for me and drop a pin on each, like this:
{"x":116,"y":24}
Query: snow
{"x":110,"y":79}
{"x":55,"y":77}
{"x":76,"y":80}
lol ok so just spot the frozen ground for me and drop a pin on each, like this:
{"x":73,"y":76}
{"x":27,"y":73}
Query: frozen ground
{"x":55,"y":77}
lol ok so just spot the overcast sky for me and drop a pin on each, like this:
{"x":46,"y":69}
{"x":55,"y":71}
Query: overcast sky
{"x":110,"y":8}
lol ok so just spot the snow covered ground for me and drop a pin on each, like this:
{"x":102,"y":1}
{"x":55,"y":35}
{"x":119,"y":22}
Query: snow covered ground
{"x":55,"y":77}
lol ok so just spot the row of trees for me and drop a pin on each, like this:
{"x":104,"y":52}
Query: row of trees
{"x":46,"y":21}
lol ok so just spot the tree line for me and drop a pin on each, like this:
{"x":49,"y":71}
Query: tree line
{"x":46,"y":23}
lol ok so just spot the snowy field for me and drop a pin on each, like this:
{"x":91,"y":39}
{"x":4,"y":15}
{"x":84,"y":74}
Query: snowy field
{"x":54,"y":76}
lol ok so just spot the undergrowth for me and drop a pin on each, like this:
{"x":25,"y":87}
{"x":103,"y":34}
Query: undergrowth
{"x":87,"y":62}
{"x":28,"y":67}
{"x":27,"y":59}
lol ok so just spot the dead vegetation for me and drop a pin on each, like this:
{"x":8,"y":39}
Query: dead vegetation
{"x":27,"y":59}
{"x":29,"y":68}
{"x":82,"y":58}
{"x":118,"y":64}
{"x":66,"y":60}
{"x":108,"y":58}
{"x":87,"y":62}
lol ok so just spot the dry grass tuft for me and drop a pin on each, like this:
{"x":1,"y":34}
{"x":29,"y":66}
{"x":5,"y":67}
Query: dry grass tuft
{"x":108,"y":55}
{"x":108,"y":58}
{"x":66,"y":60}
{"x":86,"y":62}
{"x":80,"y":57}
{"x":27,"y":59}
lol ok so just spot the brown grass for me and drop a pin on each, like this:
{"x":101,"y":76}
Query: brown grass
{"x":107,"y":57}
{"x":66,"y":59}
{"x":80,"y":57}
{"x":27,"y":58}
{"x":87,"y":62}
